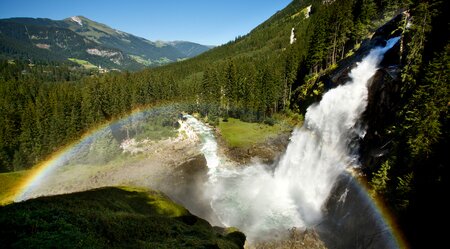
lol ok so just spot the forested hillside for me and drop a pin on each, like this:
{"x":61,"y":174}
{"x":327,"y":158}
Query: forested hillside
{"x":256,"y":76}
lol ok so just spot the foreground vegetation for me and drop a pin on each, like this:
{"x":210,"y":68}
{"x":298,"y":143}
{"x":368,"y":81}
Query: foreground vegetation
{"x":108,"y":218}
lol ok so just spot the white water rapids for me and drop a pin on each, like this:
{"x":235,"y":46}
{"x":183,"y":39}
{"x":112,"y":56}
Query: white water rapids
{"x":260,"y":200}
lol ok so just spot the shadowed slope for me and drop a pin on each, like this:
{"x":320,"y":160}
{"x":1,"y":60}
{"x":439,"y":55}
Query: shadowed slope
{"x":108,"y":218}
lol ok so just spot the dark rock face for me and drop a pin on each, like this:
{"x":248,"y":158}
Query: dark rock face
{"x":384,"y":90}
{"x":194,"y":167}
{"x":384,"y":94}
{"x":351,"y":219}
{"x":391,"y":28}
{"x":187,"y":184}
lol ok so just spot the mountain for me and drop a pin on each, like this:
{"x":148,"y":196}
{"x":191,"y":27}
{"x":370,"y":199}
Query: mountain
{"x":84,"y":41}
{"x":189,"y":49}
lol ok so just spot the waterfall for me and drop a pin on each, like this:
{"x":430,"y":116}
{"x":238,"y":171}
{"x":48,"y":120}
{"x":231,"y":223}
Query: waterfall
{"x":209,"y":144}
{"x":260,"y":200}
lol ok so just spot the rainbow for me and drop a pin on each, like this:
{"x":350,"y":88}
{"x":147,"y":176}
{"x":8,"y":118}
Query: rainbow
{"x":382,"y":211}
{"x":45,"y":168}
{"x":39,"y":172}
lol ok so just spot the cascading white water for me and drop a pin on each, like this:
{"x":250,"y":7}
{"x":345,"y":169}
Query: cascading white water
{"x":259,"y":200}
{"x":209,"y":144}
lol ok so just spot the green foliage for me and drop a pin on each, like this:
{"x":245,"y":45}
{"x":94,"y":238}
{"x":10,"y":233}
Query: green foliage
{"x":107,"y":218}
{"x":380,"y":179}
{"x":418,"y":137}
{"x":103,"y":150}
{"x":404,"y":189}
{"x":9,"y":182}
{"x":428,"y":105}
{"x":420,"y":27}
{"x":44,"y":110}
{"x":85,"y":64}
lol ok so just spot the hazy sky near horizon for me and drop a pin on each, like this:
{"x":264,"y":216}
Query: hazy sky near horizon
{"x":209,"y":22}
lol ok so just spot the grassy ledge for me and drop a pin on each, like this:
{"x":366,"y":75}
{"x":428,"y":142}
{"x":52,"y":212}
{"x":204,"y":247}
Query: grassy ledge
{"x":240,"y":134}
{"x":112,"y":217}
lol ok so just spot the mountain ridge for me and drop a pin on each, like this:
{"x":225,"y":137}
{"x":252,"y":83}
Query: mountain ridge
{"x":91,"y":41}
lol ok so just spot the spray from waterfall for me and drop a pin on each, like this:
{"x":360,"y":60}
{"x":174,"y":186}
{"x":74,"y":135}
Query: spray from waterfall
{"x":259,"y":200}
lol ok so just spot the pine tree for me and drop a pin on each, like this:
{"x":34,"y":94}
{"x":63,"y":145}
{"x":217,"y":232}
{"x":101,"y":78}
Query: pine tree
{"x":428,"y":106}
{"x":379,"y":181}
{"x":421,"y":26}
{"x":230,"y":84}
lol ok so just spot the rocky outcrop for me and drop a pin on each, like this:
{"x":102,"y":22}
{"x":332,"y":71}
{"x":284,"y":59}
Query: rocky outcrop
{"x":187,"y":186}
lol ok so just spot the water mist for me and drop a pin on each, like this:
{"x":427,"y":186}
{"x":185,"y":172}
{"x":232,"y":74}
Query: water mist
{"x":261,"y":200}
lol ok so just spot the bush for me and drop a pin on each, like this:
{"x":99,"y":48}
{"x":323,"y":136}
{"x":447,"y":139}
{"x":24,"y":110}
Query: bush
{"x":270,"y":121}
{"x":225,"y":117}
{"x":213,"y":120}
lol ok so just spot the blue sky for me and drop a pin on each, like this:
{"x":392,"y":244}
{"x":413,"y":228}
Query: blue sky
{"x":210,"y":22}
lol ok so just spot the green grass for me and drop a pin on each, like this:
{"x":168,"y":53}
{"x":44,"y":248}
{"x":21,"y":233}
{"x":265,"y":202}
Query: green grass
{"x":8,"y":184}
{"x":237,"y":133}
{"x":85,"y":64}
{"x":163,"y":60}
{"x":141,"y":60}
{"x":112,"y":217}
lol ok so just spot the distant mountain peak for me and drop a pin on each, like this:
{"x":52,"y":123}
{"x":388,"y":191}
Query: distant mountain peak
{"x":82,"y":40}
{"x":77,"y":20}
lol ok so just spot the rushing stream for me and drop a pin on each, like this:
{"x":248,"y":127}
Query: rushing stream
{"x":261,"y":199}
